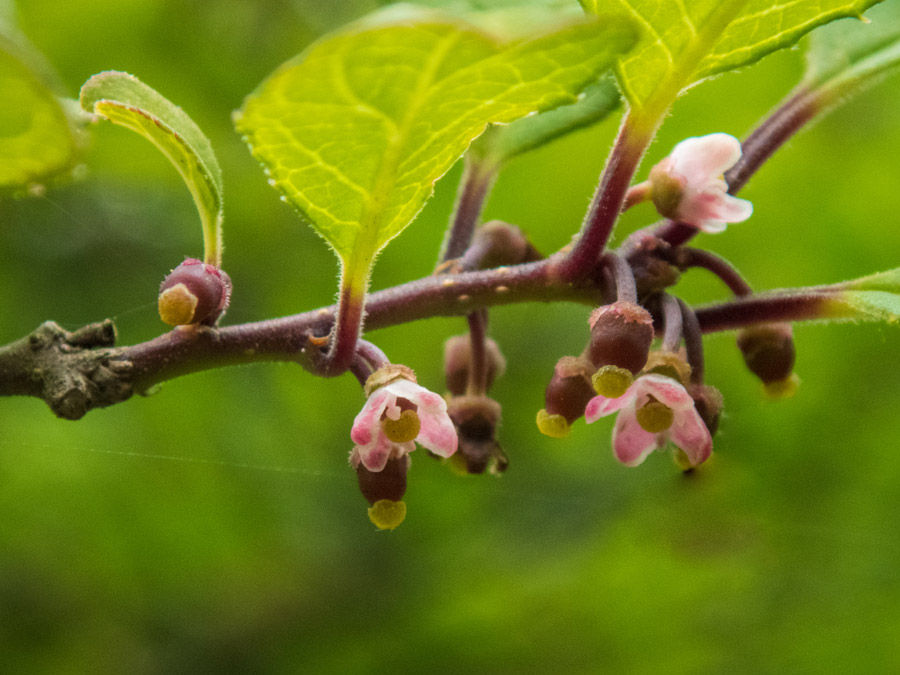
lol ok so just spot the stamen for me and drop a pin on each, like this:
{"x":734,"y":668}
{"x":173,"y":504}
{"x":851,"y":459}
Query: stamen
{"x":554,"y":426}
{"x":177,"y":305}
{"x":654,"y":416}
{"x":612,"y":381}
{"x":403,"y":427}
{"x":386,"y":514}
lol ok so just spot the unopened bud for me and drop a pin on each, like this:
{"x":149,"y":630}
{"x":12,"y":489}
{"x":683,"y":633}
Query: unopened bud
{"x":389,"y":483}
{"x":768,"y":351}
{"x":496,"y":244}
{"x":476,"y":419}
{"x":669,"y":364}
{"x":708,"y":402}
{"x":458,"y":361}
{"x":566,"y":396}
{"x":621,"y":334}
{"x":194,"y":293}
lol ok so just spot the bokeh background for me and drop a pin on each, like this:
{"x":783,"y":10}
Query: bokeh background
{"x":216,"y":524}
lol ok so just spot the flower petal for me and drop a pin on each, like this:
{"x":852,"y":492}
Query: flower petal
{"x":367,"y":424}
{"x":664,"y":389}
{"x":437,"y":433}
{"x":631,"y":443}
{"x":690,"y":434}
{"x":601,"y":406}
{"x":375,"y":455}
{"x":703,"y":158}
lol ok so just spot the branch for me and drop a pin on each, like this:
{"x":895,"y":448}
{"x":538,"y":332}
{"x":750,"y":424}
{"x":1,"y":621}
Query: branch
{"x":76,"y":372}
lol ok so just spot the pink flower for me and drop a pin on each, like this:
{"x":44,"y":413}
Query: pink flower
{"x":688,"y":185}
{"x":653,"y":411}
{"x":394,"y":416}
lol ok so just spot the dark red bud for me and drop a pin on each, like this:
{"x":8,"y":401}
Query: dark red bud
{"x":476,"y":419}
{"x":708,"y":402}
{"x":389,"y":483}
{"x":194,"y":293}
{"x":569,"y":389}
{"x":496,"y":244}
{"x":621,"y":334}
{"x":768,"y":351}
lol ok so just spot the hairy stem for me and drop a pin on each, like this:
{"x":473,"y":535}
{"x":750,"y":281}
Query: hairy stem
{"x":609,"y":198}
{"x":477,"y":180}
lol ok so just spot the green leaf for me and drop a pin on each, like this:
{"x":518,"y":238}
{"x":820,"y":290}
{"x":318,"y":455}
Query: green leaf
{"x":685,"y":42}
{"x":40,"y":139}
{"x":124,"y":100}
{"x":356,"y":130}
{"x":849,"y":55}
{"x":872,"y":298}
{"x":500,"y":143}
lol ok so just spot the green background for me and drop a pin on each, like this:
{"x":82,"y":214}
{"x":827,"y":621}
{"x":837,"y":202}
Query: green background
{"x":216,"y":524}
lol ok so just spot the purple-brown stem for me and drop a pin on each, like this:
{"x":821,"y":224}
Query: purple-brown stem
{"x":672,"y":322}
{"x":626,"y":289}
{"x":607,"y":202}
{"x":476,"y":182}
{"x":478,"y":361}
{"x":693,"y":341}
{"x":686,"y":257}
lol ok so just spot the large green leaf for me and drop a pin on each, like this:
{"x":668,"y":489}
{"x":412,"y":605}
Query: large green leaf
{"x":686,"y":41}
{"x":39,"y":137}
{"x":357,"y":129}
{"x":125,"y":100}
{"x":849,"y":55}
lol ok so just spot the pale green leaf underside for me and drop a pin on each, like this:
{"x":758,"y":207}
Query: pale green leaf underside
{"x":849,"y":54}
{"x":872,"y":298}
{"x":501,"y":143}
{"x":38,"y":139}
{"x":685,"y":41}
{"x":356,"y":130}
{"x":126,"y":101}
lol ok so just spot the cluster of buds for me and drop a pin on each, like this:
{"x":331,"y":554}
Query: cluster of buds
{"x":659,"y":401}
{"x":621,"y":335}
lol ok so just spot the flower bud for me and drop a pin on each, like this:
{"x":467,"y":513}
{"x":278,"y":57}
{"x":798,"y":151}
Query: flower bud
{"x":194,"y":293}
{"x":384,"y":491}
{"x":496,"y":244}
{"x":768,"y":351}
{"x":621,"y":334}
{"x":566,"y":396}
{"x":458,"y":359}
{"x":476,"y":419}
{"x":708,"y":402}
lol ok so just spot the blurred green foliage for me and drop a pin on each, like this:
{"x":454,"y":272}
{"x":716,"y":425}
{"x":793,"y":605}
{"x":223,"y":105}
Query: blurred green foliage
{"x":216,"y":524}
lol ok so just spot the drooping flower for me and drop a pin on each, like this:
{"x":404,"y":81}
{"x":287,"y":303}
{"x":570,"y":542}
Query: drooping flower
{"x":654,"y":411}
{"x":688,"y":185}
{"x":396,"y":416}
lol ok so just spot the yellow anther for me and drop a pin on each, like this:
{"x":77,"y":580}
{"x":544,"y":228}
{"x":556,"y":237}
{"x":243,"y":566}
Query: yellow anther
{"x":612,"y":381}
{"x":386,"y":514}
{"x":555,"y":426}
{"x":782,"y":388}
{"x":177,"y":305}
{"x":403,"y":429}
{"x":654,"y":417}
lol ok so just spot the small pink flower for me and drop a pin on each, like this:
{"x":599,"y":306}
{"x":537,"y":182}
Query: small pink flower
{"x":688,"y":185}
{"x":394,"y":416}
{"x":663,"y":405}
